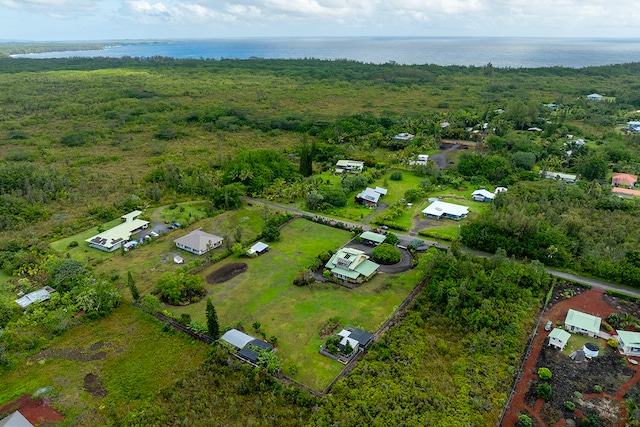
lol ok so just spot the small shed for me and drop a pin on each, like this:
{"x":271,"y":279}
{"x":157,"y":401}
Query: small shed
{"x":259,"y":249}
{"x":578,"y":356}
{"x":559,"y":338}
{"x":178,"y":259}
{"x":41,"y":294}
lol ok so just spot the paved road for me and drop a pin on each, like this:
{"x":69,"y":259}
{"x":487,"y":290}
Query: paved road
{"x":406,"y":238}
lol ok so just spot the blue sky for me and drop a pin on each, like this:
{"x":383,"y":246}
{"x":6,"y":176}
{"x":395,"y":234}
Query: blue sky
{"x":54,"y":20}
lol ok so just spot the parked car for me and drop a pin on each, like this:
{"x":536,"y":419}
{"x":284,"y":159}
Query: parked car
{"x":154,"y":234}
{"x":547,"y":327}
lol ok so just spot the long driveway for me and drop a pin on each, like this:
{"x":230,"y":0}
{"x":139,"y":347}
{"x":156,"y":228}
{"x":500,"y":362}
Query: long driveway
{"x":405,"y":239}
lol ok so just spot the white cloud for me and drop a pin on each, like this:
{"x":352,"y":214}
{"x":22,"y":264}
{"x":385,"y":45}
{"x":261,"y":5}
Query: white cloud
{"x":52,"y":8}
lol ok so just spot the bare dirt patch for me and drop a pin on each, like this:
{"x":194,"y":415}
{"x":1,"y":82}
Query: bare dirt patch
{"x":37,"y":411}
{"x":93,"y":385}
{"x":227,"y":272}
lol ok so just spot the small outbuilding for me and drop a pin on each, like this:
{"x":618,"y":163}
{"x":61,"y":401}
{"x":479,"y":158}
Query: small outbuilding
{"x":41,"y":294}
{"x":258,"y":249}
{"x":594,"y":97}
{"x":248,"y":355}
{"x":559,"y":338}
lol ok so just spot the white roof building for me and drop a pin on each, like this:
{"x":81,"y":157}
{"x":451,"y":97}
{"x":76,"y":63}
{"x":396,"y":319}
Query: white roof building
{"x":349,"y":166}
{"x":15,"y":420}
{"x":439,"y":210}
{"x":482,"y":195}
{"x":112,"y":239}
{"x":237,"y":338}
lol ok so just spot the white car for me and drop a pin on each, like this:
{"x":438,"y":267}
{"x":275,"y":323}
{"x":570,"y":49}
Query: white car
{"x":547,"y":327}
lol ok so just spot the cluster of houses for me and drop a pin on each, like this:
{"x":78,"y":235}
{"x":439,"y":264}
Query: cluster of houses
{"x":588,"y":325}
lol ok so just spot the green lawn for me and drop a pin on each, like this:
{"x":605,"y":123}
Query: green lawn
{"x":183,"y":213}
{"x":140,"y":361}
{"x":265,"y":293}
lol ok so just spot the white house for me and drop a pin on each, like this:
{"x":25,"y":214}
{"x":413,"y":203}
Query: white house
{"x":500,"y":190}
{"x":422,"y":160}
{"x":634,"y":127}
{"x":352,"y":166}
{"x":582,"y":323}
{"x":439,"y":210}
{"x":558,"y":338}
{"x":117,"y":236}
{"x":566,"y":177}
{"x":629,"y":342}
{"x":403,"y":137}
{"x":482,"y":195}
{"x":594,"y":97}
{"x":199,"y":242}
{"x":258,"y":249}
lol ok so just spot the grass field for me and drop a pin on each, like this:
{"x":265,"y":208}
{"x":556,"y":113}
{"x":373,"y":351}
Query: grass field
{"x":295,"y":315}
{"x":140,"y":361}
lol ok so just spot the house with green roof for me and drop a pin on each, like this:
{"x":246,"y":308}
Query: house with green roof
{"x":559,"y":338}
{"x":582,"y":323}
{"x":629,"y":343}
{"x":351,"y":265}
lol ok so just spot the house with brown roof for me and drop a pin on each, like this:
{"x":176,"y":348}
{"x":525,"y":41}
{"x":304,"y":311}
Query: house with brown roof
{"x":623,"y":179}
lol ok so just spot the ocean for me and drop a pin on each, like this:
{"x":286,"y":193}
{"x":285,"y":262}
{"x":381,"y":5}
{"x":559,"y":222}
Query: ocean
{"x":465,"y":51}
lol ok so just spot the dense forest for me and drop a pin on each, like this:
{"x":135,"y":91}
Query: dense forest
{"x":84,"y":141}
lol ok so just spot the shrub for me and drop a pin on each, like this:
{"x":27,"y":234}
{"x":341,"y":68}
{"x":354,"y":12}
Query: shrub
{"x":611,"y":342}
{"x":304,"y":278}
{"x":396,"y":176}
{"x":271,"y":233}
{"x":326,"y":274}
{"x":524,"y":421}
{"x":72,"y":244}
{"x":570,"y":405}
{"x":151,"y":303}
{"x":544,"y":374}
{"x":577,"y":394}
{"x":544,"y":391}
{"x":386,"y":254}
{"x":597,"y":389}
{"x":179,"y":287}
{"x":591,"y":421}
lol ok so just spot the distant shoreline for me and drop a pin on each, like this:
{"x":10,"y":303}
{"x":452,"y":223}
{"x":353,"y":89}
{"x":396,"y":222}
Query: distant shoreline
{"x":501,"y":52}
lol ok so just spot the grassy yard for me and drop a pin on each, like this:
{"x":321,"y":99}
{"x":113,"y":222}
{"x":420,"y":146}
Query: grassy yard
{"x":183,"y":213}
{"x":265,"y":293}
{"x":139,"y":361}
